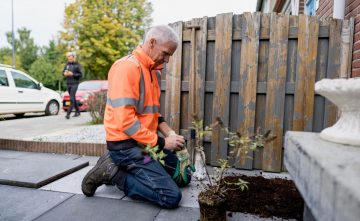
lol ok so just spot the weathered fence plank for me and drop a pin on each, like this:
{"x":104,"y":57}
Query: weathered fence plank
{"x":222,"y":80}
{"x":173,"y":83}
{"x":304,"y":92}
{"x":333,"y":68}
{"x":250,"y":26}
{"x":262,"y":76}
{"x":276,"y":90}
{"x":197,"y":78}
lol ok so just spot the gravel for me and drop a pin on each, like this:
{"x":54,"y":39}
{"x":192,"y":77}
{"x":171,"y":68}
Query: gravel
{"x":86,"y":134}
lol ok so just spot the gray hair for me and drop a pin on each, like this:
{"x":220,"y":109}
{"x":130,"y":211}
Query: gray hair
{"x":162,"y":33}
{"x":71,"y":53}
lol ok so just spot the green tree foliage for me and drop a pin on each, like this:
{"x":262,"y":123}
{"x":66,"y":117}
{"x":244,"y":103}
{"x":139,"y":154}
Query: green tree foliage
{"x":102,"y":31}
{"x":44,"y":72}
{"x":6,"y":58}
{"x":25,"y":47}
{"x":49,"y":65}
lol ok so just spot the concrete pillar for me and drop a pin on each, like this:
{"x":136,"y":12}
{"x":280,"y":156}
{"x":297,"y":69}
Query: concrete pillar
{"x":339,"y":9}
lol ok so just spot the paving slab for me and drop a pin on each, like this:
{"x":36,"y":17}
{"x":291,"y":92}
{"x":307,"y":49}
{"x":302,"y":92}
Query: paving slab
{"x":92,"y":160}
{"x":20,"y":204}
{"x":81,"y":208}
{"x":72,"y":184}
{"x":34,"y":170}
{"x":190,"y":195}
{"x":181,"y":213}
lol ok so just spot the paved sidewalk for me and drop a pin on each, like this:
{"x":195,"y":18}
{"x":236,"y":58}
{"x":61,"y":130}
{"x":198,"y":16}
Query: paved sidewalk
{"x":37,"y":125}
{"x":62,"y":199}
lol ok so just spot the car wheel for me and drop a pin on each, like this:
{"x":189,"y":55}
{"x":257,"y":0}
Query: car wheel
{"x":19,"y":115}
{"x":52,"y":108}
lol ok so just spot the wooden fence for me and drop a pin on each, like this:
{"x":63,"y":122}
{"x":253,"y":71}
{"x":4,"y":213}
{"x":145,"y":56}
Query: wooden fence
{"x":254,"y":70}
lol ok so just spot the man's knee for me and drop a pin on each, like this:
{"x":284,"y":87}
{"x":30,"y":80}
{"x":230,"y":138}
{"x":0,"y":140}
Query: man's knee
{"x":171,"y":201}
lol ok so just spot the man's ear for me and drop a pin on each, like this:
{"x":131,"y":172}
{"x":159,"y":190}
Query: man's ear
{"x":152,"y":42}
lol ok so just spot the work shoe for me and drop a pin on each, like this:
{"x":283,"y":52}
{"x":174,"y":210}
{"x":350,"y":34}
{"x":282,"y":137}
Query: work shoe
{"x":77,"y":114}
{"x":67,"y":116}
{"x":100,"y":174}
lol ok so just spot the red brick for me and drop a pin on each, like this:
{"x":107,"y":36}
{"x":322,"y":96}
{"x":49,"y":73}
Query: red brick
{"x":357,"y":19}
{"x":328,"y":11}
{"x":356,"y":37}
{"x":355,"y":72}
{"x":357,"y":28}
{"x":356,"y":55}
{"x":356,"y":46}
{"x":353,"y":5}
{"x":324,"y":7}
{"x":353,"y":13}
{"x":356,"y":64}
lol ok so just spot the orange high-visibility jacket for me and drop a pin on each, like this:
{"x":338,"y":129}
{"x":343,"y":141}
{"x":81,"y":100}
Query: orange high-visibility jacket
{"x":133,"y":102}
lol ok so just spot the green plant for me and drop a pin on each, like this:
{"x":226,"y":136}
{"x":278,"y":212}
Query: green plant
{"x":155,"y":153}
{"x":240,"y":144}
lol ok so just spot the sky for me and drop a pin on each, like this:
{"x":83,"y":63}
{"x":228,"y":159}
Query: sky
{"x":44,"y":17}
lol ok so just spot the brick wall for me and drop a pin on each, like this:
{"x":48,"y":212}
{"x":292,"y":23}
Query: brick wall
{"x":353,"y":10}
{"x":301,"y":7}
{"x":88,"y":149}
{"x":325,"y":9}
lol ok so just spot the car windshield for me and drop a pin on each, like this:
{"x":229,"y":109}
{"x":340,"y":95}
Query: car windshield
{"x":89,"y":85}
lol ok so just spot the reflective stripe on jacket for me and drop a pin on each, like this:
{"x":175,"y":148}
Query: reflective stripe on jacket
{"x":133,"y":103}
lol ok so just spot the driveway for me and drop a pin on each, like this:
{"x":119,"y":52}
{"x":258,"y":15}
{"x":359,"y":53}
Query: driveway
{"x":35,"y":125}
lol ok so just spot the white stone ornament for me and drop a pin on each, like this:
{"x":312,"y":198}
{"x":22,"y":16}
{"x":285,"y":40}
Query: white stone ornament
{"x":345,"y":94}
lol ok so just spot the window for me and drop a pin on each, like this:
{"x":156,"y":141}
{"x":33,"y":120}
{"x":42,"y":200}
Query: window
{"x":310,"y":7}
{"x":23,"y":81}
{"x":3,"y":78}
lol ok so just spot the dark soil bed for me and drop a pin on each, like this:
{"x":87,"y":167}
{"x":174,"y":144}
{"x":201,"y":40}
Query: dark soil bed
{"x":266,"y":198}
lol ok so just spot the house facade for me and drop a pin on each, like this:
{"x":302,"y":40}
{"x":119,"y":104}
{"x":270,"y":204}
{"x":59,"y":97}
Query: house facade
{"x":342,"y":9}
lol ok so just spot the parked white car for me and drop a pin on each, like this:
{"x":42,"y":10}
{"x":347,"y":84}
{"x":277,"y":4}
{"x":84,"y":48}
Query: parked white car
{"x":20,"y":94}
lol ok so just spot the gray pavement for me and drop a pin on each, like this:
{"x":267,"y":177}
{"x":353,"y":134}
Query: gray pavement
{"x":37,"y":125}
{"x":62,"y":199}
{"x":35,"y":170}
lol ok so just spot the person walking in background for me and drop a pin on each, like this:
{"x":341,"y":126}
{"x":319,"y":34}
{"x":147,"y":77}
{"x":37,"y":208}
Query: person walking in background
{"x":73,"y":73}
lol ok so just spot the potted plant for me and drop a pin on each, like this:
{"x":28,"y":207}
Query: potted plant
{"x":212,"y":199}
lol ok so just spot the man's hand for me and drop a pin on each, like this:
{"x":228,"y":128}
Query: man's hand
{"x":68,"y":73}
{"x":174,"y":142}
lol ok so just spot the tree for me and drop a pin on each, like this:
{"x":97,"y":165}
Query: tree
{"x":25,"y":47}
{"x":102,"y":31}
{"x":6,"y":58}
{"x":44,"y":72}
{"x":49,"y":65}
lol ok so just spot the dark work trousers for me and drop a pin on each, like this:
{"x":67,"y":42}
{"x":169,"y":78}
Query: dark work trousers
{"x":141,"y":177}
{"x":72,"y":88}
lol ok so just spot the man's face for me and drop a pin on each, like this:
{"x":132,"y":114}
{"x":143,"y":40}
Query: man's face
{"x":160,"y":53}
{"x":70,"y":58}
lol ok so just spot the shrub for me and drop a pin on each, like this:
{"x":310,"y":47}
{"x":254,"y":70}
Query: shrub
{"x":96,"y":104}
